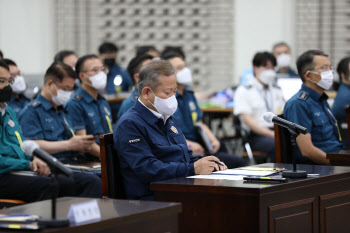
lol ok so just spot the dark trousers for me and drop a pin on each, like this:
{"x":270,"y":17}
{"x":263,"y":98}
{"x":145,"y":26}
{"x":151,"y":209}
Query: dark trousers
{"x":37,"y":188}
{"x":263,"y":144}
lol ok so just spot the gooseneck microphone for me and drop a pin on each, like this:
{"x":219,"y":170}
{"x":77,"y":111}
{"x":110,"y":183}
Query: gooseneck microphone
{"x":32,"y":148}
{"x":269,"y":117}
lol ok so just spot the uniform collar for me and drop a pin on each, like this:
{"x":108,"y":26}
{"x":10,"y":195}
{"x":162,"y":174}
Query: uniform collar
{"x":256,"y":83}
{"x":149,"y":113}
{"x":44,"y":102}
{"x":135,"y":91}
{"x":3,"y":108}
{"x":313,"y":94}
{"x":86,"y":96}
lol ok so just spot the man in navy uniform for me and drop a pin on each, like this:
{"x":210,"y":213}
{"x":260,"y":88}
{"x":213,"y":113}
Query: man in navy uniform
{"x":88,"y":110}
{"x":149,"y":142}
{"x":18,"y":100}
{"x":48,"y":123}
{"x":12,"y":158}
{"x":134,"y":68}
{"x":309,"y":108}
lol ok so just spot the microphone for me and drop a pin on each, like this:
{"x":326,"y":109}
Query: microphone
{"x":32,"y":148}
{"x":269,"y":117}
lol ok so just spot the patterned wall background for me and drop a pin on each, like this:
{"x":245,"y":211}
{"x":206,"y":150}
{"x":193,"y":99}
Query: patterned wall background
{"x":203,"y":28}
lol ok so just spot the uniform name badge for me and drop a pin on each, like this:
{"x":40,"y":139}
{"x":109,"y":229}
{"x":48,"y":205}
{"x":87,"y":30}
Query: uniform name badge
{"x":84,"y":212}
{"x":174,"y":129}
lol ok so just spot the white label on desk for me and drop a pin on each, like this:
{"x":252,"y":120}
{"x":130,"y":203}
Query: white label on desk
{"x":84,"y":212}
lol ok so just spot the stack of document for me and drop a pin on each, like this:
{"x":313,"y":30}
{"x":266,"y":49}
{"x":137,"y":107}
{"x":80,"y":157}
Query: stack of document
{"x":234,"y":174}
{"x":18,"y":222}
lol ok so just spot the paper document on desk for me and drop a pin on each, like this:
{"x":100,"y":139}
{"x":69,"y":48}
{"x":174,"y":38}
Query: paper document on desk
{"x":217,"y":177}
{"x":244,"y":172}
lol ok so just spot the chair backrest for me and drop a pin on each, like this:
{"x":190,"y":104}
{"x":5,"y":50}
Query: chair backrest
{"x":112,"y":180}
{"x":283,"y":145}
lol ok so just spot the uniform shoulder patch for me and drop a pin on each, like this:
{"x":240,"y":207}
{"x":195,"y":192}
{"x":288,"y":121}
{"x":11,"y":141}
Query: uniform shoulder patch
{"x":35,"y":104}
{"x":77,"y":97}
{"x":303,"y":95}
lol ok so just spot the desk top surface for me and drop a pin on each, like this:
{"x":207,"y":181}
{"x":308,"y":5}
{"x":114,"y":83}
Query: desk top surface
{"x":111,"y":209}
{"x":326,"y":173}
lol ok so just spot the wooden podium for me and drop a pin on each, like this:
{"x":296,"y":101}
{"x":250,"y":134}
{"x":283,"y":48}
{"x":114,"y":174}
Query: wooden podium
{"x":317,"y":204}
{"x":341,"y":158}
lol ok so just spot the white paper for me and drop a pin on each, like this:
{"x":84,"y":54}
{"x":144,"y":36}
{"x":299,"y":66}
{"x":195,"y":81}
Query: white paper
{"x":244,"y":172}
{"x":84,"y":212}
{"x":217,"y":177}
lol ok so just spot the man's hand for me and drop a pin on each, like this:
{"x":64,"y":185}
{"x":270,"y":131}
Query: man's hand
{"x":206,"y":165}
{"x":40,"y":167}
{"x":81,"y":143}
{"x":195,"y":147}
{"x":216,"y":145}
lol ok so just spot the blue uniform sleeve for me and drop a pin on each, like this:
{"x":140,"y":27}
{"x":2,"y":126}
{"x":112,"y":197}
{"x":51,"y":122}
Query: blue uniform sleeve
{"x":139,"y":158}
{"x":298,"y":112}
{"x":30,"y":124}
{"x":76,"y":114}
{"x":198,"y":110}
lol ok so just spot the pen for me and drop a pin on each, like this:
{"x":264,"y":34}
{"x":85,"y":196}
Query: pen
{"x":218,"y":163}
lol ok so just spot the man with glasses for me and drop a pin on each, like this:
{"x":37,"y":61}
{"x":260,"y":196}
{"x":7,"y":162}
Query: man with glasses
{"x":18,"y":101}
{"x":309,"y":108}
{"x":89,"y":111}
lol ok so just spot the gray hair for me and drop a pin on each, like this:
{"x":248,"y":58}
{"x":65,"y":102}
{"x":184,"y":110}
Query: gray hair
{"x":150,"y":73}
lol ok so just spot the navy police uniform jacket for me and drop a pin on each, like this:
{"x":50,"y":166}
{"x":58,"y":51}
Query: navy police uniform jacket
{"x":311,"y":110}
{"x":17,"y":103}
{"x":41,"y":121}
{"x":87,"y":113}
{"x":150,"y":151}
{"x":341,"y":101}
{"x":188,"y":113}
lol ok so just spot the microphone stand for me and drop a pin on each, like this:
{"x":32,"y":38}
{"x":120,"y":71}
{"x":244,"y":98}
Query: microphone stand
{"x":294,"y":133}
{"x":53,"y":222}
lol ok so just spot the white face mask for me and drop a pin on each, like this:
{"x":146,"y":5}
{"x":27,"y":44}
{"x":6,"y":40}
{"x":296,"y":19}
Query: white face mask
{"x":267,"y":77}
{"x":184,"y":76}
{"x":19,"y":86}
{"x":165,"y":107}
{"x":284,"y":60}
{"x":326,"y":79}
{"x":62,"y":97}
{"x":98,"y":81}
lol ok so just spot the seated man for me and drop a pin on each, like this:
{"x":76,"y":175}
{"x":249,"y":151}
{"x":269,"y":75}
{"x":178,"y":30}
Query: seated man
{"x":134,"y":68}
{"x":88,"y":110}
{"x":309,"y":108}
{"x":148,"y":140}
{"x":282,"y":53}
{"x":12,"y":158}
{"x":343,"y":95}
{"x":259,"y":96}
{"x":188,"y":114}
{"x":18,"y":101}
{"x":47,"y":122}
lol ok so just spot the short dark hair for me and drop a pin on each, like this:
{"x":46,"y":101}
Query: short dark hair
{"x":61,"y":55}
{"x":280,"y":44}
{"x":80,"y":63}
{"x":58,"y":71}
{"x":173,"y":49}
{"x":305,"y":61}
{"x":9,"y":62}
{"x":261,"y":59}
{"x":145,"y":49}
{"x":135,"y":65}
{"x":107,"y":47}
{"x":149,"y":73}
{"x":1,"y":55}
{"x":170,"y":55}
{"x":4,"y":65}
{"x":343,"y":67}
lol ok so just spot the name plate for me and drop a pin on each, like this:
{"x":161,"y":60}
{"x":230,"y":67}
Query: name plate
{"x":84,"y":212}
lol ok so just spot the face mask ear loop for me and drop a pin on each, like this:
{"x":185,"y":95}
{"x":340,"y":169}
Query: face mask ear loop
{"x":154,"y":99}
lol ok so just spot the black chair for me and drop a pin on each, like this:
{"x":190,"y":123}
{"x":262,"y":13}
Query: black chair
{"x":112,"y":180}
{"x":241,"y":133}
{"x":283,"y":145}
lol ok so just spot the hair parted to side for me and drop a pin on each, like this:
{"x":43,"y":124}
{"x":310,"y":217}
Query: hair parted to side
{"x":343,"y":68}
{"x":305,"y":61}
{"x":58,"y":71}
{"x":150,"y":73}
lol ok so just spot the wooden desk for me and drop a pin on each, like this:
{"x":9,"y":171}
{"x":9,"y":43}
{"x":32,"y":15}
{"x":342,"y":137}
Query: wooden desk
{"x":312,"y":205}
{"x":115,"y":99}
{"x":341,"y":158}
{"x":117,"y":215}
